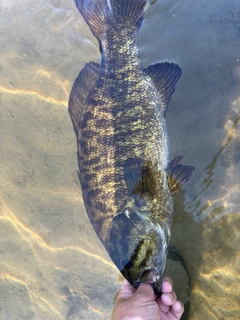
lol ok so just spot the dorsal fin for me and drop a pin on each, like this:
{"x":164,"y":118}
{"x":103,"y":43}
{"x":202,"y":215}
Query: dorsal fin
{"x":164,"y":77}
{"x":80,"y":90}
{"x":178,"y":174}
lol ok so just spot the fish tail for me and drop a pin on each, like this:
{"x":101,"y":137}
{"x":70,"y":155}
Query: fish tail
{"x":99,"y":13}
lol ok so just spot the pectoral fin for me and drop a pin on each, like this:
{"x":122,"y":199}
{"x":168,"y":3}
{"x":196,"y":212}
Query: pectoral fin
{"x":178,"y":174}
{"x":140,"y":177}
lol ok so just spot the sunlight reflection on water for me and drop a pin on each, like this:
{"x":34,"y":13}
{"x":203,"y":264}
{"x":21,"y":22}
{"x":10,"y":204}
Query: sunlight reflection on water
{"x":52,"y":265}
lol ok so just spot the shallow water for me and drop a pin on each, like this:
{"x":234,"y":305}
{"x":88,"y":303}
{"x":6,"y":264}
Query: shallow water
{"x":52,"y":265}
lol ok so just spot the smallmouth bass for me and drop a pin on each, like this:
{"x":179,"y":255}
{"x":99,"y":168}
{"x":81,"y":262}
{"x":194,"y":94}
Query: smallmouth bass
{"x":118,"y":113}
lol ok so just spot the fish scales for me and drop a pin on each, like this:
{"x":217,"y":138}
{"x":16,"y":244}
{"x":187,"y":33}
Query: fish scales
{"x":131,"y":126}
{"x":118,"y":113}
{"x":119,"y":120}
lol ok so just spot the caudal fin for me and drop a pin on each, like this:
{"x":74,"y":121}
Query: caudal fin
{"x":99,"y":13}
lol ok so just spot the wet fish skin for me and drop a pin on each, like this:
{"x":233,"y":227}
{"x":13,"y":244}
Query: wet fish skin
{"x":140,"y":251}
{"x":118,"y":113}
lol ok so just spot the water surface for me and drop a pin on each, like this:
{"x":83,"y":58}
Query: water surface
{"x":52,"y":265}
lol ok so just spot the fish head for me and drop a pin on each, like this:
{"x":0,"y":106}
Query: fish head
{"x":138,"y":247}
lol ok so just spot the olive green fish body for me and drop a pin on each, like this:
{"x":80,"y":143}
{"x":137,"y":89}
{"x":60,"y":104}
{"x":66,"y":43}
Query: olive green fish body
{"x":118,"y":113}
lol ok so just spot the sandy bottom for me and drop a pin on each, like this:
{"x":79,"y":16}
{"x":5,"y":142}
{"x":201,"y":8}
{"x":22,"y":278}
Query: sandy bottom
{"x":52,"y":265}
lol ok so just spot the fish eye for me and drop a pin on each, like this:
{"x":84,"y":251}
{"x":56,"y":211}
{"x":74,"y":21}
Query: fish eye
{"x":124,"y":263}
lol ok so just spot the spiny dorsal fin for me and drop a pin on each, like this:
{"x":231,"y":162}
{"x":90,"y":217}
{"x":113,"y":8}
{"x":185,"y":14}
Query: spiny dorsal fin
{"x":164,"y":77}
{"x":178,"y":174}
{"x":80,"y":90}
{"x":140,"y":177}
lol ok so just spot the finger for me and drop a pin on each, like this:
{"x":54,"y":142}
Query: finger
{"x":167,"y":285}
{"x":144,"y":293}
{"x":166,"y":301}
{"x":176,"y":311}
{"x":126,"y":291}
{"x":126,"y":286}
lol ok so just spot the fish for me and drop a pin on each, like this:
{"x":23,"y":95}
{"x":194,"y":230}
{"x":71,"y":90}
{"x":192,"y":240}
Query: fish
{"x":118,"y":113}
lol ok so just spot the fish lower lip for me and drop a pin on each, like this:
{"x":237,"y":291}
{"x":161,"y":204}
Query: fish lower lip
{"x":148,"y":276}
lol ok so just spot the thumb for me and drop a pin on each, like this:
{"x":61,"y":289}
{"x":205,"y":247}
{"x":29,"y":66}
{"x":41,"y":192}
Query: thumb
{"x":144,"y":293}
{"x":125,"y":292}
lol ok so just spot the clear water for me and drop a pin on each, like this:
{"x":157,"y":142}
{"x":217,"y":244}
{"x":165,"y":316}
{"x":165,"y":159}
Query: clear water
{"x":52,"y":265}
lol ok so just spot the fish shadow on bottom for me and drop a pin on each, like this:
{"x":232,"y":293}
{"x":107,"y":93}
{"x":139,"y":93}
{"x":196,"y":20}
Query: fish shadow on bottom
{"x":176,"y":269}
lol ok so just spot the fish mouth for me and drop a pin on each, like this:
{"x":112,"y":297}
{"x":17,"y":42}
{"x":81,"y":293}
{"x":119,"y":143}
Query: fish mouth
{"x":149,"y":275}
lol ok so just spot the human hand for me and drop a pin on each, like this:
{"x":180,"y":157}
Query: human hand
{"x":143,"y":304}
